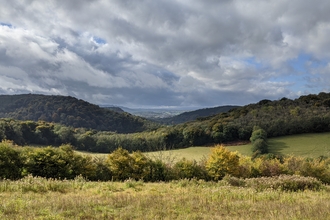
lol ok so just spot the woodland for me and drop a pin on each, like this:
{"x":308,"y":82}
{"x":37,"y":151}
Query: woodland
{"x":306,"y":114}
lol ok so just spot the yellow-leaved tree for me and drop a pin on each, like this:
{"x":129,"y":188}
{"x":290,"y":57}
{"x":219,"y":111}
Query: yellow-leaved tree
{"x":222,"y":162}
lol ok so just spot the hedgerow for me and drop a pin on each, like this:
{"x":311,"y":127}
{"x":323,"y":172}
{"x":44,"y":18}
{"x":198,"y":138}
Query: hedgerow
{"x":287,"y":173}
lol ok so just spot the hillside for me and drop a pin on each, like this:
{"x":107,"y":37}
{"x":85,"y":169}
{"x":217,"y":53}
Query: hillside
{"x":306,"y":114}
{"x":71,"y":112}
{"x":193,"y":115}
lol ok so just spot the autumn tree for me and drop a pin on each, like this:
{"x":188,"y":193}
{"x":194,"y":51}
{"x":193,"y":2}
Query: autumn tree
{"x":222,"y":162}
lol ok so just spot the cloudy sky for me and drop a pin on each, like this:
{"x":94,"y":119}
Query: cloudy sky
{"x":165,"y":52}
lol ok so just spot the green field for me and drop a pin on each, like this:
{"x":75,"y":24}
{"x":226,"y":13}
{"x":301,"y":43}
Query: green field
{"x":305,"y":145}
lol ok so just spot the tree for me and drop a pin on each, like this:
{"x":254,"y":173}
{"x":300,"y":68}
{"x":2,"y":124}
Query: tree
{"x":222,"y":162}
{"x":259,"y":141}
{"x":120,"y":163}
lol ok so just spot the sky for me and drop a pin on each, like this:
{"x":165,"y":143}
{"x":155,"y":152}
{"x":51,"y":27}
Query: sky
{"x":165,"y":53}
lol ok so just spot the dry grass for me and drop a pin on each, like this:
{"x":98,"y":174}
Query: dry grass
{"x":175,"y":200}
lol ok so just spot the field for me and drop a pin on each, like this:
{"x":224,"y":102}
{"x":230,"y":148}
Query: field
{"x":305,"y":145}
{"x":38,"y":198}
{"x":231,"y":198}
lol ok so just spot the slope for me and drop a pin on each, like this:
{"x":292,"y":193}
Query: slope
{"x":71,"y":112}
{"x":193,"y":115}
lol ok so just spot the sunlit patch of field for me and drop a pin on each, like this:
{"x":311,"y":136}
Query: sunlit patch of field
{"x":305,"y":145}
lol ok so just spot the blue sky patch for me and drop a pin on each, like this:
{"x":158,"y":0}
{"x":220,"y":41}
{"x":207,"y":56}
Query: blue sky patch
{"x":253,"y":62}
{"x":6,"y":24}
{"x":304,"y":62}
{"x":99,"y":40}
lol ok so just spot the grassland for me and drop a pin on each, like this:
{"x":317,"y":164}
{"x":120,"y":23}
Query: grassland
{"x":38,"y":198}
{"x":305,"y":145}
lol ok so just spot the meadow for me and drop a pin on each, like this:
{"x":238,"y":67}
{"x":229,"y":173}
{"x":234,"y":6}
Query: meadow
{"x":39,"y":198}
{"x":267,"y":197}
{"x":304,"y":145}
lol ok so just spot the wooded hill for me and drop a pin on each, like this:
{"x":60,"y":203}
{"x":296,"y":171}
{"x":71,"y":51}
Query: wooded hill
{"x":307,"y":114}
{"x":193,"y":115}
{"x":70,"y":111}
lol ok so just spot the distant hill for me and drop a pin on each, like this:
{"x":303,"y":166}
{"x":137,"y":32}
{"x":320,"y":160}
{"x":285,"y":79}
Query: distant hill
{"x":193,"y":115}
{"x":71,"y":112}
{"x":115,"y":108}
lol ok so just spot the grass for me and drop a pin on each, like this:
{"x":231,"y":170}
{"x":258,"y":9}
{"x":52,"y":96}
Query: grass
{"x":305,"y":145}
{"x":182,"y":199}
{"x":191,"y":153}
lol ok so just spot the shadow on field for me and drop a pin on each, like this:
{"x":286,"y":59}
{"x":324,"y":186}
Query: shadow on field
{"x":276,"y":147}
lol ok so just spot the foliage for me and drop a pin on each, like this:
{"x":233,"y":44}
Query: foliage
{"x":124,"y":165}
{"x":276,"y":118}
{"x":259,"y":141}
{"x":70,"y":111}
{"x":200,"y":114}
{"x":61,"y":163}
{"x":189,"y":169}
{"x":222,"y":162}
{"x":292,"y":183}
{"x":11,"y":163}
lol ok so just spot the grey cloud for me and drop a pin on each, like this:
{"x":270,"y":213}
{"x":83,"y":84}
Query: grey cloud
{"x":173,"y":52}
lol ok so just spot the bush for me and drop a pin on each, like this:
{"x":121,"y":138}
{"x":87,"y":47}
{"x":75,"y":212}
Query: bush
{"x":317,"y":169}
{"x":10,"y":161}
{"x":188,"y":169}
{"x":137,"y":166}
{"x":59,"y":163}
{"x":284,"y":183}
{"x":222,"y":162}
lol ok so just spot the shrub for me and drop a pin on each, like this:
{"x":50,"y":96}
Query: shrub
{"x":293,"y":165}
{"x":120,"y":164}
{"x":222,"y":162}
{"x":137,"y":166}
{"x":284,"y":183}
{"x":188,"y":169}
{"x":10,"y":161}
{"x":141,"y":167}
{"x":59,"y":163}
{"x":317,"y":169}
{"x":266,"y":167}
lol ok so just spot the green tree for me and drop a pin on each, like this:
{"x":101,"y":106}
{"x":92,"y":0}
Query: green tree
{"x":259,"y":141}
{"x":10,"y":161}
{"x":121,"y":164}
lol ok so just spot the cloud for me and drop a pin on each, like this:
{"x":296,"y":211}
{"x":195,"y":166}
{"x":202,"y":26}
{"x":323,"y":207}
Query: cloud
{"x":166,"y":52}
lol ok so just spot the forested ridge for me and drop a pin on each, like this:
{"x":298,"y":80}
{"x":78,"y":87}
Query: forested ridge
{"x":277,"y":118}
{"x":193,"y":115}
{"x":70,"y":111}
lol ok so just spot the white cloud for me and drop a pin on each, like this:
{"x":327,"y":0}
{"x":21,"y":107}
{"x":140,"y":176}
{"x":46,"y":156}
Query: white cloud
{"x":167,"y":52}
